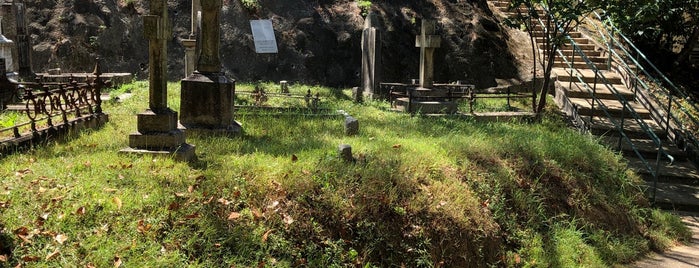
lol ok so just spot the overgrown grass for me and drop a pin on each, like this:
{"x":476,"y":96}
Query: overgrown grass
{"x":423,"y":192}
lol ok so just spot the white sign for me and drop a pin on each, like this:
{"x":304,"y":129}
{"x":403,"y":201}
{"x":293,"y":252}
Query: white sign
{"x":263,"y":34}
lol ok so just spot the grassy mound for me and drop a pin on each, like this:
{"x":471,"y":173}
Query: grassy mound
{"x":423,"y":192}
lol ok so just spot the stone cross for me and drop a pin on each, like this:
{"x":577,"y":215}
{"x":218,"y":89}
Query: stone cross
{"x":371,"y":56}
{"x":427,"y":41}
{"x":158,"y":31}
{"x":209,"y":60}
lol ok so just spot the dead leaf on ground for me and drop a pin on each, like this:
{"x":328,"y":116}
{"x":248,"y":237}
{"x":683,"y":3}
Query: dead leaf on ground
{"x":90,"y":265}
{"x":143,"y":227}
{"x":266,"y":235}
{"x":22,"y":231}
{"x":117,"y":202}
{"x":396,"y":146}
{"x":80,"y":211}
{"x":233,"y":216}
{"x":23,"y":172}
{"x":173,"y":206}
{"x":288,"y":219}
{"x":117,"y":261}
{"x":223,"y":201}
{"x":192,"y":216}
{"x":3,"y":258}
{"x":256,"y":213}
{"x":87,"y":164}
{"x":294,"y":158}
{"x":30,"y":258}
{"x":190,"y":188}
{"x":273,"y":205}
{"x":52,"y":255}
{"x":60,"y":238}
{"x":5,"y":204}
{"x":181,"y":195}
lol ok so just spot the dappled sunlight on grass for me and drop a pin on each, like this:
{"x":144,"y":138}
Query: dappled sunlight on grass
{"x":422,"y":191}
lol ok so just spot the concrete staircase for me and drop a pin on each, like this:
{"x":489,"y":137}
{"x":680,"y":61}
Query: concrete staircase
{"x":678,"y":181}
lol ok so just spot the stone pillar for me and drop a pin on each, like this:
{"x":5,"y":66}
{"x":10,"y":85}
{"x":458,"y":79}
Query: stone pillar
{"x":24,"y":61}
{"x":158,"y":132}
{"x":190,"y":45}
{"x":206,"y":102}
{"x":371,"y":57}
{"x":427,"y":41}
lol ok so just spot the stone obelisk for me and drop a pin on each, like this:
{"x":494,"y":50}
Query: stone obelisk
{"x":206,"y":102}
{"x":371,"y":57}
{"x":158,"y":131}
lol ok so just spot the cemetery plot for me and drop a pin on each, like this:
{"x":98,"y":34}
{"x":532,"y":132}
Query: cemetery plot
{"x":267,"y":97}
{"x":49,"y":110}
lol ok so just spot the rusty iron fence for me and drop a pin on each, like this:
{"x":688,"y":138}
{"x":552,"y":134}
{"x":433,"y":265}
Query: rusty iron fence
{"x":52,"y":110}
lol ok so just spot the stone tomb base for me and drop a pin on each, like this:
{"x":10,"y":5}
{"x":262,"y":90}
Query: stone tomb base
{"x":206,"y":103}
{"x":159,"y":134}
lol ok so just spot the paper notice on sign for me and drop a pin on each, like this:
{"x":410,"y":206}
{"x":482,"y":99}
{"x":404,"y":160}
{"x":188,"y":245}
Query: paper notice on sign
{"x":263,"y":34}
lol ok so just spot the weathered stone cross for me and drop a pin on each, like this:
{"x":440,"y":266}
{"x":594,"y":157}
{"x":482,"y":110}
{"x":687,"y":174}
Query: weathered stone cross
{"x":427,"y":42}
{"x":157,"y":29}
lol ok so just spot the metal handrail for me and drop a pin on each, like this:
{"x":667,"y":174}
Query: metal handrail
{"x":620,"y":126}
{"x":669,"y":90}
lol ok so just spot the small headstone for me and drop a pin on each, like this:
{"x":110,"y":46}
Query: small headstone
{"x":351,"y":126}
{"x":284,"y":85}
{"x":345,"y":152}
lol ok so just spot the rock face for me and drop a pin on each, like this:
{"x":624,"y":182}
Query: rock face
{"x":319,"y":41}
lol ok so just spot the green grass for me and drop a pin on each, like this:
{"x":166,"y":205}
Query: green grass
{"x":424,"y":192}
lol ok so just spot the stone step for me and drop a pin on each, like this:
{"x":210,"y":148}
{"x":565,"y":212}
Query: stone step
{"x":570,"y":53}
{"x":583,"y":47}
{"x":683,"y":172}
{"x":579,"y":40}
{"x":674,"y":196}
{"x":614,"y":108}
{"x":500,"y":3}
{"x":425,"y":107}
{"x":571,"y":34}
{"x":588,"y":76}
{"x":579,"y":65}
{"x":645,"y":147}
{"x":580,"y":90}
{"x":603,"y":126}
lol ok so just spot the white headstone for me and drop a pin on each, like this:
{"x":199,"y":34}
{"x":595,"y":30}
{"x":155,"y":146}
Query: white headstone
{"x":263,"y":34}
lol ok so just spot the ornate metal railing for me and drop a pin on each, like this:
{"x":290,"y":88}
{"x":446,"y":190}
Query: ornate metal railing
{"x":52,"y":109}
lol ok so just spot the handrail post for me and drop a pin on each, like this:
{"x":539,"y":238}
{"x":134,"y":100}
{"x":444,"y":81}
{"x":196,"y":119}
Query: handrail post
{"x":572,"y":66}
{"x":609,"y":46}
{"x":621,"y":127}
{"x":594,"y":96}
{"x":669,"y":115}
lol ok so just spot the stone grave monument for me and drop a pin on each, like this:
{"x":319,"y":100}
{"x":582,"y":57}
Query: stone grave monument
{"x":6,"y":47}
{"x":425,"y":96}
{"x":371,"y":58}
{"x":207,"y":95}
{"x":158,"y":131}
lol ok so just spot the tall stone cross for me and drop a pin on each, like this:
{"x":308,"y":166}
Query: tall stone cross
{"x":157,"y":29}
{"x":158,"y":132}
{"x":427,"y":41}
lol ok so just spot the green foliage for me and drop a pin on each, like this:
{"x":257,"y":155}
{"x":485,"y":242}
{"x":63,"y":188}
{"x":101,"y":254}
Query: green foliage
{"x":250,"y":5}
{"x":663,"y":24}
{"x":364,"y":5}
{"x":423,"y":192}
